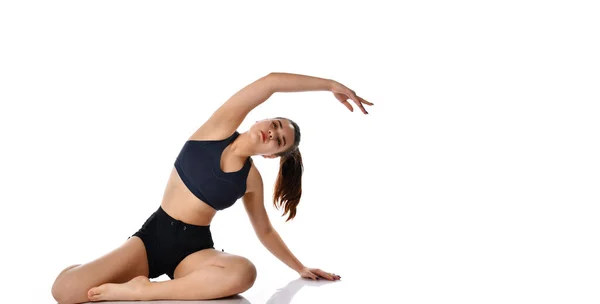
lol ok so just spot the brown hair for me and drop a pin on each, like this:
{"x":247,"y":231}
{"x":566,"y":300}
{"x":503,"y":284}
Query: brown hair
{"x":288,"y":186}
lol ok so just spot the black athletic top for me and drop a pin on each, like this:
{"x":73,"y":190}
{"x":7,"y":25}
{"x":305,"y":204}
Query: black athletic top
{"x":198,"y":165}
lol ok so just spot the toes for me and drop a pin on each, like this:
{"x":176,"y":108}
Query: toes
{"x":94,"y":294}
{"x":91,"y":292}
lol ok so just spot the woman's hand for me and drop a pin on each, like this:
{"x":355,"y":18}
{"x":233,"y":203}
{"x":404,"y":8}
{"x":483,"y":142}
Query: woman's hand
{"x":315,"y":274}
{"x":342,"y":93}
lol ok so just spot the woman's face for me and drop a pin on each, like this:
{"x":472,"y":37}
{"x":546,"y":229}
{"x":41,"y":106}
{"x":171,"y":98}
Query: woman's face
{"x":271,"y":136}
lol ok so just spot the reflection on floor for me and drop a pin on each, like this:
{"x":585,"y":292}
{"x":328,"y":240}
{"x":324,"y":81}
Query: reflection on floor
{"x":283,"y":295}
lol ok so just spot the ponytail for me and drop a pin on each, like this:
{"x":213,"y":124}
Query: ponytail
{"x":288,"y":186}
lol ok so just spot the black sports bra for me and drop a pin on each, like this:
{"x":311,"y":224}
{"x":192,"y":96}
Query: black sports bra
{"x":199,"y":167}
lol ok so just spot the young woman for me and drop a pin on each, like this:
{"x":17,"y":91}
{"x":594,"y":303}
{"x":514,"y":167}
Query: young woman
{"x":212,"y":171}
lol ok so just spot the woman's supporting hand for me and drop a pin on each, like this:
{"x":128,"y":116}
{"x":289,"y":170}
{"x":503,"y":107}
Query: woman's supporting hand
{"x":342,"y":93}
{"x":315,"y":274}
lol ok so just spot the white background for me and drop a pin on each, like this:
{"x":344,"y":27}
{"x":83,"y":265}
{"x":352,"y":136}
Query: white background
{"x":474,"y":179}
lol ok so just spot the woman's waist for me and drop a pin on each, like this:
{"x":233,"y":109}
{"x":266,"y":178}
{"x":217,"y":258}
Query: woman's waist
{"x":192,"y":212}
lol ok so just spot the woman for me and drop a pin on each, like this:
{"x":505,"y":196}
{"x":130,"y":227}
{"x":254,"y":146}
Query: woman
{"x":212,"y":171}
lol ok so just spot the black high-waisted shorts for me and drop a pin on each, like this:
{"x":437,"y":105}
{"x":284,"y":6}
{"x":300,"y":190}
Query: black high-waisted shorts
{"x":168,"y":241}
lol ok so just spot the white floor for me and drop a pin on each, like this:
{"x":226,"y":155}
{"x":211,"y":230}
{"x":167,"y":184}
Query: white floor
{"x":295,"y":291}
{"x":464,"y":260}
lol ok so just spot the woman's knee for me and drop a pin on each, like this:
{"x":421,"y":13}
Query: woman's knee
{"x":65,"y":270}
{"x":60,"y":291}
{"x":246,"y":274}
{"x":64,"y":285}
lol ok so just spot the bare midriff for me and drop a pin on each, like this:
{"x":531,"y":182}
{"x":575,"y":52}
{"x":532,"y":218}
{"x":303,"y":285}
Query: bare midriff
{"x":183,"y":205}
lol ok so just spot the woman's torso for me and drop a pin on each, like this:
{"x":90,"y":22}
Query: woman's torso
{"x":182,"y":204}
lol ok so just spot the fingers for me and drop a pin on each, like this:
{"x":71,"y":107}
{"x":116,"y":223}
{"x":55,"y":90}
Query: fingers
{"x":347,"y":104}
{"x":342,"y":98}
{"x":315,"y":274}
{"x":358,"y":103}
{"x":325,"y":275}
{"x":364,"y":101}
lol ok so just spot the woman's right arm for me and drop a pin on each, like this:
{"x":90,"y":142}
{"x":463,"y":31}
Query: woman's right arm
{"x":286,"y":82}
{"x":254,"y":94}
{"x":228,"y":117}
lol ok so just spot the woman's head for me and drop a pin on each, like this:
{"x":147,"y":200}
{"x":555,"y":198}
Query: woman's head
{"x":280,"y":137}
{"x":275,"y":137}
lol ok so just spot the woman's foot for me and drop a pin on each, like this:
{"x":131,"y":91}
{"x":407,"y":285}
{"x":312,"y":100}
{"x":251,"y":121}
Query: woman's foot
{"x":129,"y":291}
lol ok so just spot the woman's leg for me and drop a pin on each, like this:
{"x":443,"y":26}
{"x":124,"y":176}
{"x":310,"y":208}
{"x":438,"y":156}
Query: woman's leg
{"x":120,"y":265}
{"x":202,"y":275}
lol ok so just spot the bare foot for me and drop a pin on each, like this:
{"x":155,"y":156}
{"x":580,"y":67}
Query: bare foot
{"x":129,"y":291}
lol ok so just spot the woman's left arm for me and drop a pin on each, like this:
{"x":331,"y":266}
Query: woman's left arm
{"x":268,"y":236}
{"x":273,"y":242}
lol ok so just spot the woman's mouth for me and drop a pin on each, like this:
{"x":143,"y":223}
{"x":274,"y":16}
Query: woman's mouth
{"x":263,"y":136}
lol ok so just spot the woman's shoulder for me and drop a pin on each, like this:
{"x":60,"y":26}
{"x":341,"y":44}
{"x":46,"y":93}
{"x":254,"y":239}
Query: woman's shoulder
{"x":208,"y":133}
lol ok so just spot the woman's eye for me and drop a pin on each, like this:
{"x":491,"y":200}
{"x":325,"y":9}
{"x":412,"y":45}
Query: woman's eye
{"x":274,"y":125}
{"x":279,"y":142}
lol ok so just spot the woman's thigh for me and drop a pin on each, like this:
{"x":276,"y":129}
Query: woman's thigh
{"x":117,"y":266}
{"x":207,"y":257}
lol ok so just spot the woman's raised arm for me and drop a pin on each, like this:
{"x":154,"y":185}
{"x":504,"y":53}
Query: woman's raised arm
{"x":228,"y":117}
